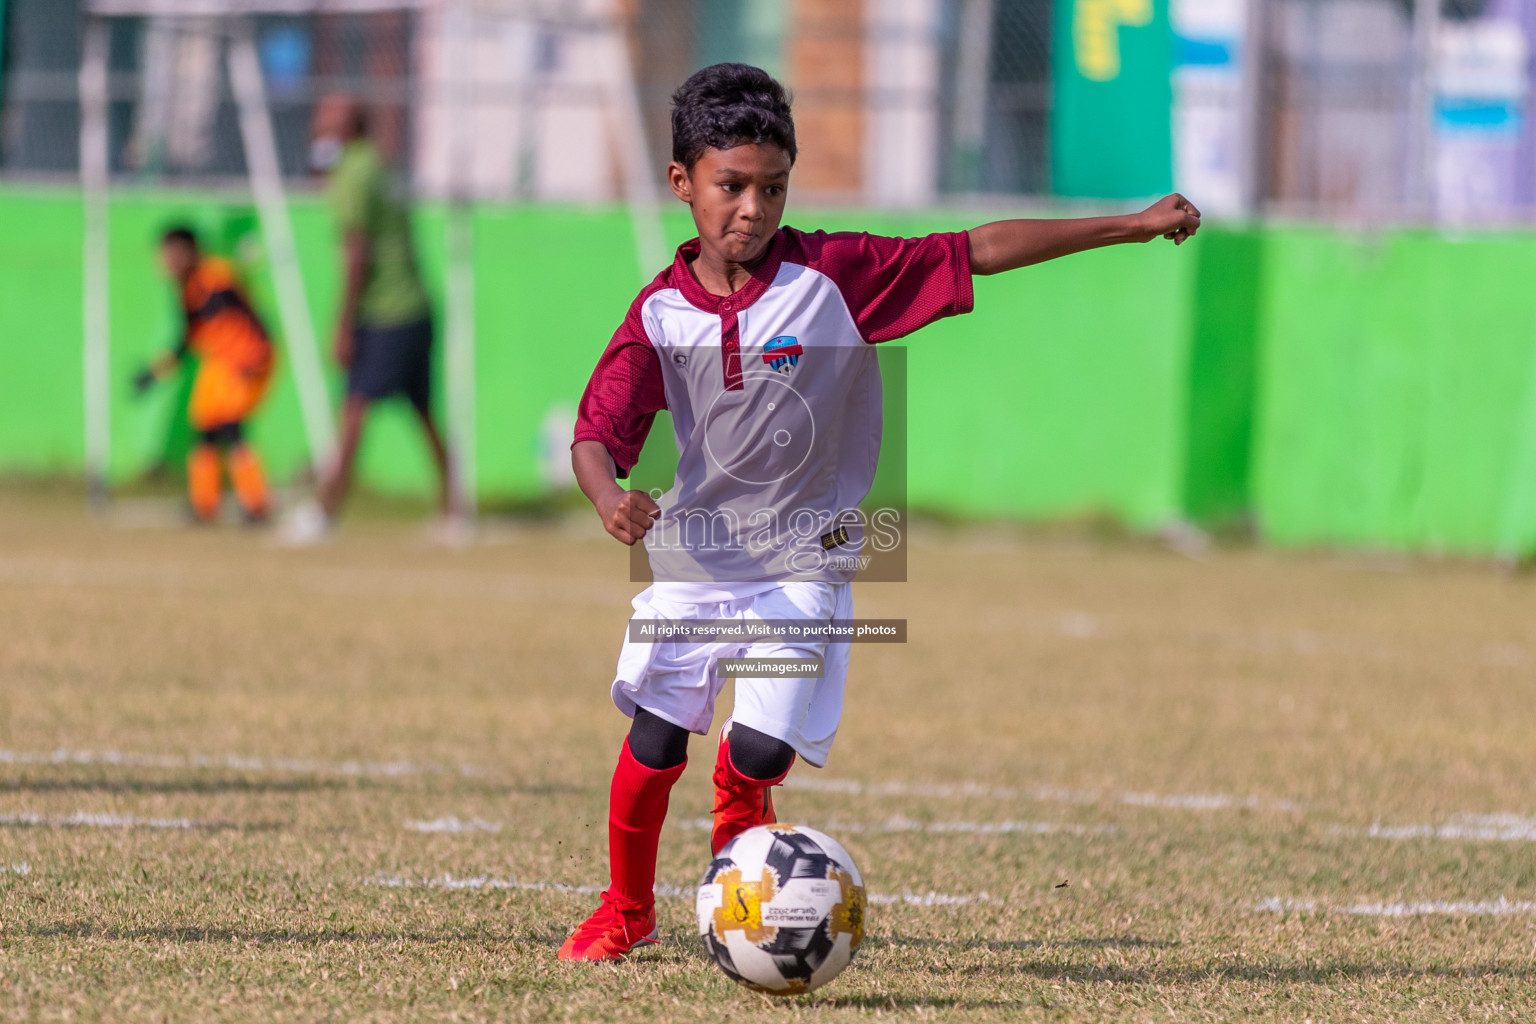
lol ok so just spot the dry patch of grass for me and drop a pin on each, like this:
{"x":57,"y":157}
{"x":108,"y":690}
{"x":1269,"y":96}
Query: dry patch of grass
{"x":359,"y":783}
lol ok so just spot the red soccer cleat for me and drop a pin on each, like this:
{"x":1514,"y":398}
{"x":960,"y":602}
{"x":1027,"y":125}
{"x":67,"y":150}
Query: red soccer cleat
{"x":740,"y":803}
{"x":614,"y":929}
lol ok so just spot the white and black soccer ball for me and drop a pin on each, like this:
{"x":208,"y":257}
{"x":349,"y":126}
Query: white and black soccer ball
{"x":781,"y":909}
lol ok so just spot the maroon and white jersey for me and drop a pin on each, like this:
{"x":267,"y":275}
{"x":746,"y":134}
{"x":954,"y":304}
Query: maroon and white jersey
{"x":775,"y":397}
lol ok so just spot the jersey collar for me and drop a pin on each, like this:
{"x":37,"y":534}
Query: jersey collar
{"x":762,"y":276}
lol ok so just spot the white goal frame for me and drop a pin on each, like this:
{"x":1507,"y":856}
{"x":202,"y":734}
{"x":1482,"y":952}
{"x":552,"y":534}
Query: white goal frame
{"x":233,"y":19}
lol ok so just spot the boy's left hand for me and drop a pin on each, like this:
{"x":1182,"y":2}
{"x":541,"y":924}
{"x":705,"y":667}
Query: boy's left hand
{"x":1172,"y":217}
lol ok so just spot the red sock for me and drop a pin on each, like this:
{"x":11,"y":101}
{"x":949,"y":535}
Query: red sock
{"x":203,"y":480}
{"x":637,"y":805}
{"x":250,"y":482}
{"x":741,"y":802}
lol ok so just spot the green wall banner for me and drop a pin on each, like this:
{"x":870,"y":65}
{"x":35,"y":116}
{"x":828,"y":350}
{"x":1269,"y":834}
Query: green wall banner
{"x":1395,"y":377}
{"x":1060,"y":396}
{"x":1111,"y":134}
{"x":1344,"y":392}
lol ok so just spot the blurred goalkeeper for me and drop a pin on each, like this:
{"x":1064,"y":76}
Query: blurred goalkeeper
{"x":234,"y":355}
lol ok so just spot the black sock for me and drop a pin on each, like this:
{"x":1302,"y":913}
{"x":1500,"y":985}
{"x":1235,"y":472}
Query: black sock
{"x":656,"y":742}
{"x":758,"y":755}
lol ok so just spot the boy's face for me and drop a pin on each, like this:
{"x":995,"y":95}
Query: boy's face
{"x":179,"y":259}
{"x":737,"y":197}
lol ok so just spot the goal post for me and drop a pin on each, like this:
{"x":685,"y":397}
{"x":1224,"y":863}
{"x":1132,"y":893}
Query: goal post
{"x":277,"y":236}
{"x":95,"y":356}
{"x":626,"y":126}
{"x":459,"y":248}
{"x":233,"y":22}
{"x":232,"y":19}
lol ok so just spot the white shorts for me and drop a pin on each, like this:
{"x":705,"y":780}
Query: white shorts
{"x":678,"y":681}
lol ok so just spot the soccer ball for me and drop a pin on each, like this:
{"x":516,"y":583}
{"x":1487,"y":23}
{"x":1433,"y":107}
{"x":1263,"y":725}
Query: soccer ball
{"x":781,"y":909}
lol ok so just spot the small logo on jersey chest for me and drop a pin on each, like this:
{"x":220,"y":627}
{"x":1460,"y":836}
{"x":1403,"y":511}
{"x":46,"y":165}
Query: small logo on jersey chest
{"x":783,"y":353}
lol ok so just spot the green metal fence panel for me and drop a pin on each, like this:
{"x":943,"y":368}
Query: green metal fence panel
{"x":1394,"y":373}
{"x":1068,"y":392}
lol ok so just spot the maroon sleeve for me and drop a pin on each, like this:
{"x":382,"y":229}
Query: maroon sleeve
{"x":624,"y":394}
{"x":893,"y":286}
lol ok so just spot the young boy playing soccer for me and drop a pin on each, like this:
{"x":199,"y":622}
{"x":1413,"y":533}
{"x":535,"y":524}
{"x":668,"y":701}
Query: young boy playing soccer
{"x":759,"y":341}
{"x":235,"y":363}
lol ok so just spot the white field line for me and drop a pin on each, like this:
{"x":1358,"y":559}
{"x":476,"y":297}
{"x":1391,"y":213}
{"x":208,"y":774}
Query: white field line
{"x":900,"y":824}
{"x":1473,"y":827}
{"x":1505,"y":828}
{"x":237,"y":762}
{"x":664,"y":890}
{"x":81,"y":819}
{"x":518,"y":588}
{"x":385,"y":769}
{"x":453,"y":824}
{"x":1042,"y":794}
{"x":407,"y":583}
{"x":1080,"y":625}
{"x":16,"y":869}
{"x":1500,"y":907}
{"x":940,"y":791}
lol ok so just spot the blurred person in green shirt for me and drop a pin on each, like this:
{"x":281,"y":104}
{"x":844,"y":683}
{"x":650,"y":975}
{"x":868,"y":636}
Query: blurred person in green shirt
{"x":384,"y":333}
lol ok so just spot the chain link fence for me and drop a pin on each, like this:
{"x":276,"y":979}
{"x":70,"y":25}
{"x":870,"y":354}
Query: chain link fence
{"x":172,"y":115}
{"x":1376,"y":110}
{"x":1337,"y":126}
{"x":536,"y":89}
{"x":1361,"y":109}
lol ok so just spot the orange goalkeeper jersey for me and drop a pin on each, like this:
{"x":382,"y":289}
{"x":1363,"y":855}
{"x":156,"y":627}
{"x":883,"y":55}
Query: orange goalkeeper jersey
{"x":221,"y":325}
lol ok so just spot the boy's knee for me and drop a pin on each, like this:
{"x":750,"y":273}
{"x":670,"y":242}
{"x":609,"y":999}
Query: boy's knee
{"x":657,"y":743}
{"x":758,"y":755}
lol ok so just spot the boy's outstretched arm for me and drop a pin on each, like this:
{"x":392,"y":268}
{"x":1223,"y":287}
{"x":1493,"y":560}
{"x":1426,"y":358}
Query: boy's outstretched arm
{"x":1011,"y":244}
{"x":625,"y":514}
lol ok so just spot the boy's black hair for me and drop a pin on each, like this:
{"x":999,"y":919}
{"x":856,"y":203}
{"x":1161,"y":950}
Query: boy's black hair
{"x":179,"y":233}
{"x":726,"y":105}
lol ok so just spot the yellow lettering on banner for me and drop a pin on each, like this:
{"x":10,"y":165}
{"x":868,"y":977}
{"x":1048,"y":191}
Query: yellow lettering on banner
{"x":1096,"y":28}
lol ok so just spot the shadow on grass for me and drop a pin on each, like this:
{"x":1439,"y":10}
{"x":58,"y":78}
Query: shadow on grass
{"x":148,"y":824}
{"x":912,"y":1003}
{"x":1330,"y":972}
{"x":1321,"y":973}
{"x":174,"y":785}
{"x":1043,"y":967}
{"x":274,"y":936}
{"x":299,"y":784}
{"x":1106,"y":942}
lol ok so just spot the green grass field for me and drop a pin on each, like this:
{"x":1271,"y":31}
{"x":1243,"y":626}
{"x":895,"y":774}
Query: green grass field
{"x":356,"y":783}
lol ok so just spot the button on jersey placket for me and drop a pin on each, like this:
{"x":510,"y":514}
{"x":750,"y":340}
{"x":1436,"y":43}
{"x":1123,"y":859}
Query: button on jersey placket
{"x":730,"y":346}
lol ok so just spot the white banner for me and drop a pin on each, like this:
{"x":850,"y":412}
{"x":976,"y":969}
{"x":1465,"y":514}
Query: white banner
{"x":1207,"y":101}
{"x":216,"y":8}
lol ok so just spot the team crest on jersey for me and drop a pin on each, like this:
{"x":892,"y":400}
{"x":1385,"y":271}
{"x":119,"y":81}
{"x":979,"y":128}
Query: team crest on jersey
{"x":782,"y":353}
